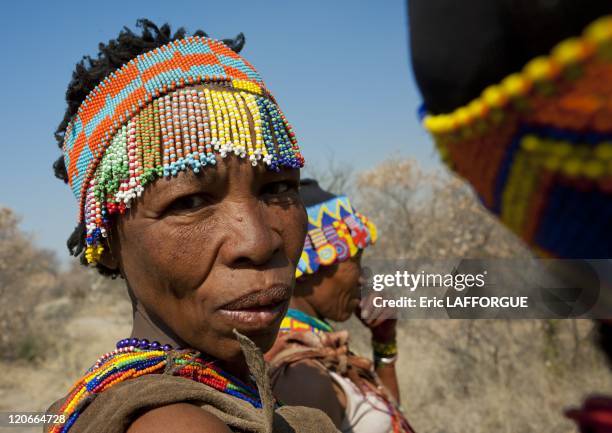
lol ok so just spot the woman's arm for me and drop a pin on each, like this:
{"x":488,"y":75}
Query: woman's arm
{"x":178,"y":418}
{"x":388,"y":376}
{"x":307,"y":383}
{"x":384,"y":345}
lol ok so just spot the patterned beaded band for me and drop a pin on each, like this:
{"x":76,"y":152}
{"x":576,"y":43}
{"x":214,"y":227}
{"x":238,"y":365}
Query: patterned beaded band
{"x":538,"y":147}
{"x":384,"y":349}
{"x":335,"y":233}
{"x":141,"y":123}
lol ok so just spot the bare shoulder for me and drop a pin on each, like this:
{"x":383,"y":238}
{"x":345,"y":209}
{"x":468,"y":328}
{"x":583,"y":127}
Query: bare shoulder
{"x":307,"y":383}
{"x":179,"y":417}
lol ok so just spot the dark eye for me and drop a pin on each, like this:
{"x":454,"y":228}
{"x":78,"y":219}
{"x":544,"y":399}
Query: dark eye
{"x":280,"y":188}
{"x":187,"y":203}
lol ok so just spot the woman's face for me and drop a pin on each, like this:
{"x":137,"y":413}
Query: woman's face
{"x":337,"y":291}
{"x":206,"y":253}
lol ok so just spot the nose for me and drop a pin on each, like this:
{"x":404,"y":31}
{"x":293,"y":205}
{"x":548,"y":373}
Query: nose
{"x":253,"y":239}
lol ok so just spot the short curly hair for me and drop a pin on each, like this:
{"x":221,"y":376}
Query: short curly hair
{"x":90,"y":71}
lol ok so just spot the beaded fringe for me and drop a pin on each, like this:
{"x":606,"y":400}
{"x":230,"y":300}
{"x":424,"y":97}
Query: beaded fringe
{"x":185,"y":129}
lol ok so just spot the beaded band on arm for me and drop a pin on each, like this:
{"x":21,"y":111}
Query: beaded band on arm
{"x":384,"y":353}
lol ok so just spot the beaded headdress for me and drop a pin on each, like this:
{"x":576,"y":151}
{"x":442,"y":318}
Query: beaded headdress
{"x":336,"y":232}
{"x":150,"y":118}
{"x":537,"y":147}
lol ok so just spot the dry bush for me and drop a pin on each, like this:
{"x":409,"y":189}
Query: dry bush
{"x":37,"y":296}
{"x":334,"y":177}
{"x":430,"y":214}
{"x":26,"y":274}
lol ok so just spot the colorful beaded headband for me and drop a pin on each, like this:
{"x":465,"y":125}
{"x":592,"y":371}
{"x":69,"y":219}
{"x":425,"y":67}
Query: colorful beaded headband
{"x":335,"y":233}
{"x":537,"y":148}
{"x":144,"y":122}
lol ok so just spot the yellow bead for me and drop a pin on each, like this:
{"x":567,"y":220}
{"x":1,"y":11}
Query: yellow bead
{"x":569,"y":52}
{"x":594,"y":169}
{"x":600,"y":31}
{"x":429,"y":123}
{"x":477,"y":108}
{"x":552,"y":162}
{"x":530,"y":143}
{"x":494,"y":96}
{"x":540,"y":68}
{"x":446,"y":123}
{"x":516,"y":85}
{"x":561,"y":148}
{"x":462,"y":116}
{"x":604,"y":150}
{"x":571,"y":166}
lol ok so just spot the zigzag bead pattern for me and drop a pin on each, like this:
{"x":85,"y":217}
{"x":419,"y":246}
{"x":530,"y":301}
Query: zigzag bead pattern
{"x":336,"y":232}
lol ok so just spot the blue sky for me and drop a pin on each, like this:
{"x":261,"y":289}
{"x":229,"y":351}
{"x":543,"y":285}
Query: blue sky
{"x":339,"y":70}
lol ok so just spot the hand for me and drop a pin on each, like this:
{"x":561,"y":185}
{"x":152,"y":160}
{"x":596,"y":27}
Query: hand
{"x":381,"y":322}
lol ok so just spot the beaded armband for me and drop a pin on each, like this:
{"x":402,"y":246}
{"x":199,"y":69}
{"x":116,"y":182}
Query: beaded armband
{"x":384,"y":349}
{"x":537,"y":147}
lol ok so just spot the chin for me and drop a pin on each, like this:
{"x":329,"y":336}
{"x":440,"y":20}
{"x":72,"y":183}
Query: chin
{"x":265,"y":340}
{"x":342,"y":316}
{"x":262,"y":334}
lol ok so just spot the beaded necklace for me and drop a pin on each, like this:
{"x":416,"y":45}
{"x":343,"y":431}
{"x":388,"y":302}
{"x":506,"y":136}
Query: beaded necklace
{"x":134,"y":358}
{"x":297,"y":320}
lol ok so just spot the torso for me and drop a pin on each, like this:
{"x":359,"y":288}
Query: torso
{"x":125,"y":383}
{"x":364,"y":403}
{"x":364,"y":412}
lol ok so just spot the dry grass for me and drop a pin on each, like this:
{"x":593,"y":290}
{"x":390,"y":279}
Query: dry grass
{"x":489,"y":375}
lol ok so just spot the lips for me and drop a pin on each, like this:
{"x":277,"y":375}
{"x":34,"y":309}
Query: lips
{"x":258,"y":309}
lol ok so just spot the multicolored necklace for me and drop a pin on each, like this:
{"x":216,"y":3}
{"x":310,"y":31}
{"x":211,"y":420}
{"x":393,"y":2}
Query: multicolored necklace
{"x":137,"y":357}
{"x":297,"y":320}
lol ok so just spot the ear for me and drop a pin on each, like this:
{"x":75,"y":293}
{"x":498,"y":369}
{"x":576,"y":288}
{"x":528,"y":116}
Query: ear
{"x":108,"y":259}
{"x":110,"y":256}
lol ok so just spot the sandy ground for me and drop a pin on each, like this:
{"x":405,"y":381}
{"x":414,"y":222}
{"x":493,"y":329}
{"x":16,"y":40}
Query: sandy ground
{"x":88,"y":334}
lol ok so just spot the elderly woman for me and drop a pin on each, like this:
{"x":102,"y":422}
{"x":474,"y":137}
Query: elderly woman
{"x":186,"y":175}
{"x":311,"y":364}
